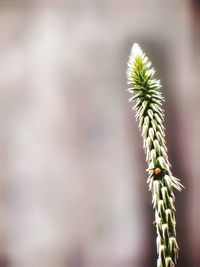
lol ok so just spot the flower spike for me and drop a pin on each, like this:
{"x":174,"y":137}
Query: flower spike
{"x":148,"y":101}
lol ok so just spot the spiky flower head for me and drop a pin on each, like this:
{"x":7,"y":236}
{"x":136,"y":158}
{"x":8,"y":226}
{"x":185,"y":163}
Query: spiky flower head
{"x":148,"y":101}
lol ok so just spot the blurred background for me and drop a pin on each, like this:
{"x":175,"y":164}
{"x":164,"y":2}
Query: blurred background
{"x":73,"y":189}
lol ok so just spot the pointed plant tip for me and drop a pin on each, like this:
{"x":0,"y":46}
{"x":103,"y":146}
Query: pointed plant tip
{"x":136,"y":50}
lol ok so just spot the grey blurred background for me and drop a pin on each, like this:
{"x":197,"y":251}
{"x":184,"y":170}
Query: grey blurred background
{"x":73,"y":187}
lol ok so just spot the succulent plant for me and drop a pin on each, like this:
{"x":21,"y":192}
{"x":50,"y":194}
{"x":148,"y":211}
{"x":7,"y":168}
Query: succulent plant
{"x":148,"y":99}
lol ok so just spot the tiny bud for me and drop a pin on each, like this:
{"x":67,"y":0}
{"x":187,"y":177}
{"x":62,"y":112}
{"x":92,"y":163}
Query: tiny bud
{"x":157,"y":171}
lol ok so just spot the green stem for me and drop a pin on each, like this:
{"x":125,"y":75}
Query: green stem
{"x":148,"y":101}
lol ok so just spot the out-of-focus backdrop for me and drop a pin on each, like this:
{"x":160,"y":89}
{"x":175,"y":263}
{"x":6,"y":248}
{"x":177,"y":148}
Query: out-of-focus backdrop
{"x":73,"y":187}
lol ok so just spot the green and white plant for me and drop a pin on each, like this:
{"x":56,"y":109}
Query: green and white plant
{"x":148,"y":101}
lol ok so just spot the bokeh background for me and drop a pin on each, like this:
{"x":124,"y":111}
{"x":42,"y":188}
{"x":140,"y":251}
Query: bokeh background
{"x":73,"y":187}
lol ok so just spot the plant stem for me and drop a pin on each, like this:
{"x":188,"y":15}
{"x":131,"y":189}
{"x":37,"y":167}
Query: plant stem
{"x":148,"y":101}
